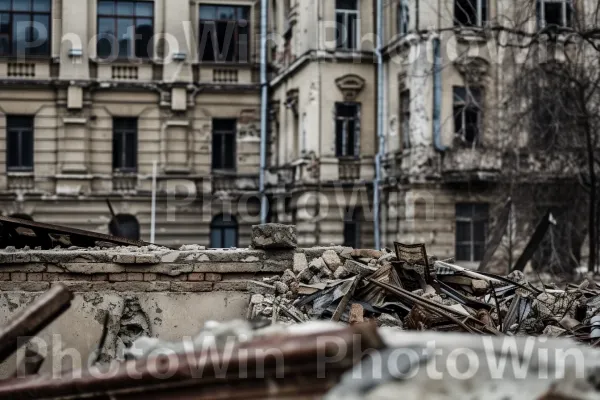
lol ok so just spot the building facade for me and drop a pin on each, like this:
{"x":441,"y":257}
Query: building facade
{"x":102,"y":90}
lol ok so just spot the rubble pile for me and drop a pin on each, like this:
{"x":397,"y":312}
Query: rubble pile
{"x":411,"y":291}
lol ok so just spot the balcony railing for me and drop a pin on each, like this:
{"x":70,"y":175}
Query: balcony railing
{"x":348,"y":169}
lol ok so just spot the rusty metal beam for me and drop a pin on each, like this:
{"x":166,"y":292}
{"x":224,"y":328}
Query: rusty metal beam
{"x":33,"y":319}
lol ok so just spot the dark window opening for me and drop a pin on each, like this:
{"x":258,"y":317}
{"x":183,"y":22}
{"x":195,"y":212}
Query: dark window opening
{"x":405,"y":118}
{"x":346,"y":17}
{"x":223,"y":232}
{"x":25,"y":27}
{"x":403,"y":17}
{"x":125,"y":29}
{"x":223,"y":144}
{"x":467,"y":114}
{"x":347,"y":129}
{"x":352,"y":225}
{"x":224,"y":33}
{"x":19,"y":143}
{"x":470,"y":12}
{"x":554,"y":13}
{"x":471,"y":230}
{"x":125,"y":146}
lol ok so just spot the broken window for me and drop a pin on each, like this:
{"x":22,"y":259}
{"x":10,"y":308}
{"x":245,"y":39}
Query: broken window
{"x":467,"y":113}
{"x":405,"y":118}
{"x":470,"y":13}
{"x":19,"y":143}
{"x":25,"y":27}
{"x":471,"y":228}
{"x":352,"y":228}
{"x":223,"y":232}
{"x":125,"y":29}
{"x":554,"y":13}
{"x":125,"y":145}
{"x":347,"y":129}
{"x":224,"y":33}
{"x":223,"y":144}
{"x":346,"y":17}
{"x":403,"y":17}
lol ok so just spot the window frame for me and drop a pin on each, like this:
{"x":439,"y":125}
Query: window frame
{"x":220,"y":223}
{"x":344,"y":46}
{"x":223,"y":134}
{"x":20,"y":130}
{"x":217,"y":56}
{"x":482,"y":17}
{"x":405,"y":118}
{"x":472,"y":219}
{"x":115,"y":16}
{"x":12,"y":12}
{"x":473,"y":101}
{"x":567,"y":20}
{"x":403,"y":17}
{"x":124,"y":132}
{"x":345,"y":137}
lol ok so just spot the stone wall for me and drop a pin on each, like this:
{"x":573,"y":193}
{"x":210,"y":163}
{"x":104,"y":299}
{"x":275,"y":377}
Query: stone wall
{"x":149,"y":291}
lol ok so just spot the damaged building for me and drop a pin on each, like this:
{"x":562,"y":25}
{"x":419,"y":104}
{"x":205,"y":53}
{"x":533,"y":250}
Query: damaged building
{"x":408,"y":138}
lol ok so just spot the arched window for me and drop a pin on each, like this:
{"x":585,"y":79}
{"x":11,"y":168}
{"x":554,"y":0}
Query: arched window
{"x":125,"y":226}
{"x":223,"y":232}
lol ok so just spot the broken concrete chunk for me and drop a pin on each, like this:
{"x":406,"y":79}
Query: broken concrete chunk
{"x":260,"y":288}
{"x":332,"y":260}
{"x":357,"y":268}
{"x":257,"y":299}
{"x":479,"y":287}
{"x":288,"y":277}
{"x":341,"y":273}
{"x":300,"y":262}
{"x":317,"y":265}
{"x":274,"y":236}
{"x":553,"y":331}
{"x":281,"y":288}
{"x":305,"y":275}
{"x":389,"y":321}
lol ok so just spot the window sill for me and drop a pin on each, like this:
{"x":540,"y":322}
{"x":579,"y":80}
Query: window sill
{"x":471,"y":34}
{"x":124,"y":174}
{"x":20,"y":174}
{"x":224,"y":173}
{"x":126,"y":61}
{"x":25,"y":59}
{"x":212,"y":64}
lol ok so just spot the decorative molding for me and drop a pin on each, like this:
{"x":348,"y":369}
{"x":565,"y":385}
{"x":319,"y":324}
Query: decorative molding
{"x":350,"y":85}
{"x":292,"y":98}
{"x":474,"y":70}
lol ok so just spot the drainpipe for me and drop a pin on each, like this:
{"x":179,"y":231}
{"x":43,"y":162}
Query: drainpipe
{"x":380,"y":128}
{"x":437,"y":96}
{"x":263,"y":111}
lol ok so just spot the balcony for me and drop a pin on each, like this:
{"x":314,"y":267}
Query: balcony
{"x":472,"y":164}
{"x":349,"y":169}
{"x":231,"y":181}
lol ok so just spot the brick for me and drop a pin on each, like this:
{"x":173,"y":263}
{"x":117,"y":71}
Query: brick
{"x":141,"y":286}
{"x":124,"y":259}
{"x":24,"y":286}
{"x":149,"y":277}
{"x":213,"y":277}
{"x":196,"y":276}
{"x":23,"y":268}
{"x":191,"y":286}
{"x":117,"y":277}
{"x":99,"y":277}
{"x":274,"y":236}
{"x":18,"y":276}
{"x":232,"y":286}
{"x":4,"y":276}
{"x":35,"y":276}
{"x":169,"y":278}
{"x":135,"y":276}
{"x":85,"y":286}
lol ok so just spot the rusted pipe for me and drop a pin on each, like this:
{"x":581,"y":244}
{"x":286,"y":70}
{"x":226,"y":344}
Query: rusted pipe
{"x":33,"y":319}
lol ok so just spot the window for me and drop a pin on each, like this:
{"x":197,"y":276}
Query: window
{"x":223,"y":144}
{"x":352,"y":228}
{"x":223,"y":232}
{"x":125,"y":29}
{"x":467,"y":113}
{"x":471,"y":228}
{"x":405,"y":118}
{"x":25,"y":27}
{"x":470,"y":13}
{"x":554,"y":13}
{"x":19,"y":138}
{"x":347,"y":129}
{"x":403,"y":17}
{"x":224,"y":33}
{"x":346,"y":18}
{"x":125,"y":144}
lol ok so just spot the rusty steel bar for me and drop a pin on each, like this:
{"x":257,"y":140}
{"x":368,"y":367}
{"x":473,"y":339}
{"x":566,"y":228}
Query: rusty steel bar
{"x":205,"y":367}
{"x":33,"y":319}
